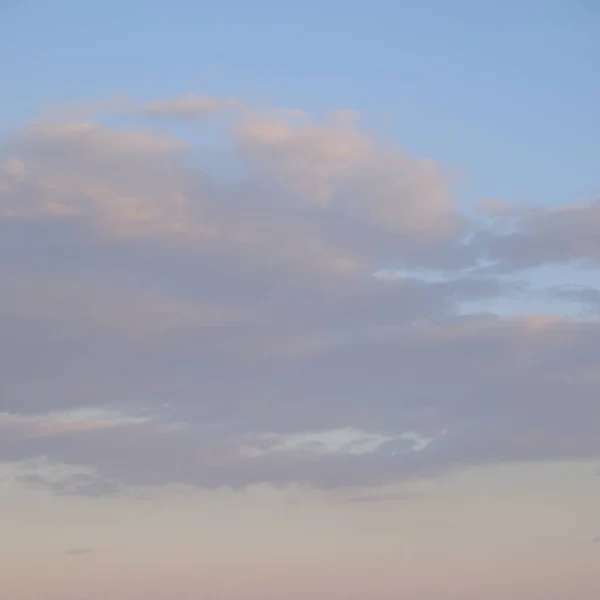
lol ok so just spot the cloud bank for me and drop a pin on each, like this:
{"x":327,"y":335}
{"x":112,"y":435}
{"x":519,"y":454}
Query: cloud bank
{"x":274,"y":299}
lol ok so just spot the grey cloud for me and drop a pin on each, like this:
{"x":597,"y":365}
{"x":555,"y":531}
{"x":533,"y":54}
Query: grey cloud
{"x":542,"y":236}
{"x":519,"y":406}
{"x":202,"y":315}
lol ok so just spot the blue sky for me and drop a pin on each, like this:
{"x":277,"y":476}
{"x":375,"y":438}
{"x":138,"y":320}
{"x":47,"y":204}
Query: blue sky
{"x":506,"y":92}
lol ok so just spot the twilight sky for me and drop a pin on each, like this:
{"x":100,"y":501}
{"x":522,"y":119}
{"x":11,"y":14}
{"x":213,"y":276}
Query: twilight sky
{"x":300,"y":300}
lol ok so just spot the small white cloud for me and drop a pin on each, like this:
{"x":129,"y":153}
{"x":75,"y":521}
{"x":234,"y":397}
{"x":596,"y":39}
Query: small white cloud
{"x":419,"y":441}
{"x":334,"y":441}
{"x":59,"y":423}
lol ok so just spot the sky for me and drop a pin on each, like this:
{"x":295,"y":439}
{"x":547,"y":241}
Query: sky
{"x":299,"y":300}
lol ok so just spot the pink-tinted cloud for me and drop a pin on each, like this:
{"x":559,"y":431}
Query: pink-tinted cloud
{"x":229,"y":301}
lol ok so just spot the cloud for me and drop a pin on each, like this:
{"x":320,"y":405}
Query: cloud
{"x":324,"y":194}
{"x":587,"y":297}
{"x":336,"y":165}
{"x":174,"y":312}
{"x":540,"y":236}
